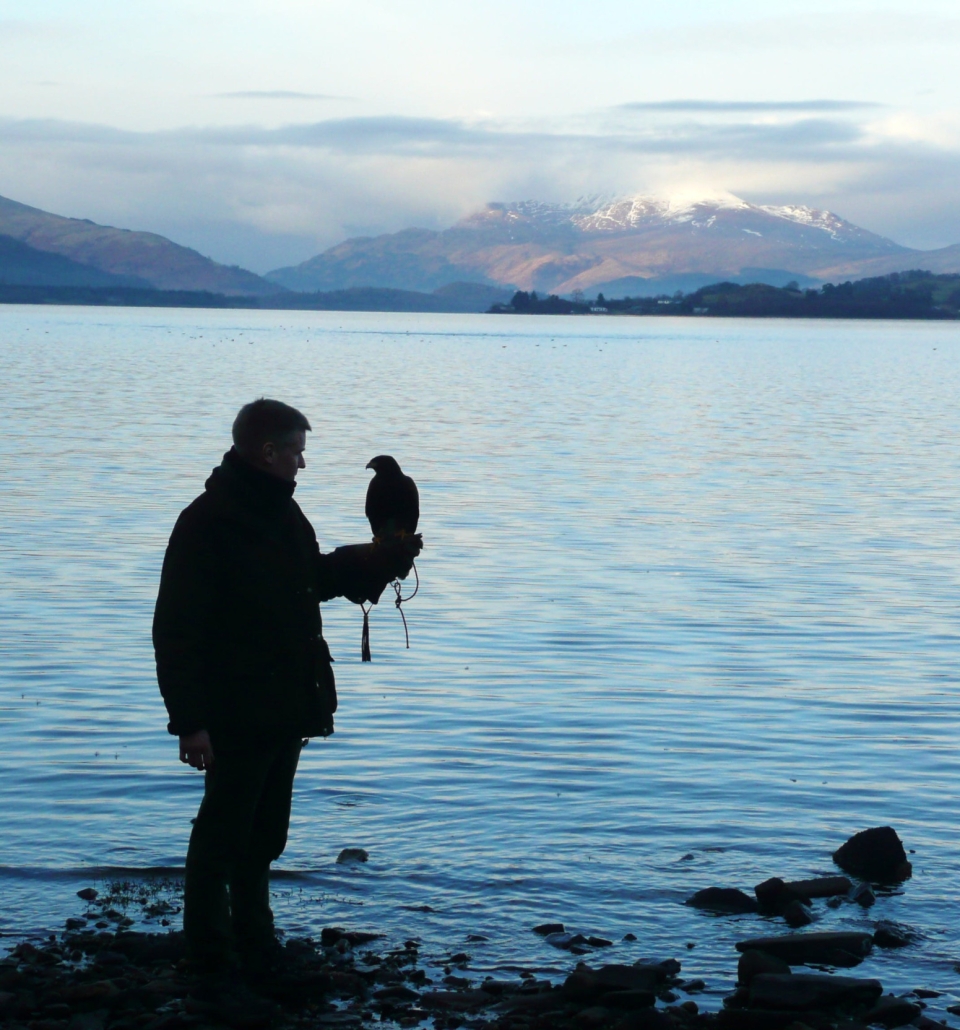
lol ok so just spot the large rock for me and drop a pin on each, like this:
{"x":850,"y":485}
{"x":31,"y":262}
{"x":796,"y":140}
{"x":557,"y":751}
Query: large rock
{"x":752,"y":963}
{"x":804,"y":991}
{"x":722,"y":899}
{"x":586,"y":984}
{"x":876,"y":854}
{"x":891,"y":1011}
{"x":834,"y":948}
{"x":797,"y":914}
{"x":892,"y":935}
{"x":819,"y":887}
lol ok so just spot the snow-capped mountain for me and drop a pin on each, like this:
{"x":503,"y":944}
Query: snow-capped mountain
{"x":617,"y":244}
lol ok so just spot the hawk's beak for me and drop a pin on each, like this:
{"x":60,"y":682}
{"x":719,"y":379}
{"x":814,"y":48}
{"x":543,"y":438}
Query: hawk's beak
{"x":369,"y":465}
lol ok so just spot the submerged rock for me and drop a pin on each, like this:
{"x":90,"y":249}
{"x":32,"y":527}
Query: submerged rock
{"x":840,"y":948}
{"x":353,"y":855}
{"x":544,"y":929}
{"x":863,"y":895}
{"x":876,"y":854}
{"x":722,"y":899}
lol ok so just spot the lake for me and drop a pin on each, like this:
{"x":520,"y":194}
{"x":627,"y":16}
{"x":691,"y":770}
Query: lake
{"x":688,"y":616}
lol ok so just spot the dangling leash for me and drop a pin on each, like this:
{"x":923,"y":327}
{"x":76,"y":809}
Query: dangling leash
{"x":398,"y":601}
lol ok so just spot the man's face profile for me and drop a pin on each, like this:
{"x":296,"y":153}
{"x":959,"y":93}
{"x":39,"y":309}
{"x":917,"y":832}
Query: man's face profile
{"x":286,"y":459}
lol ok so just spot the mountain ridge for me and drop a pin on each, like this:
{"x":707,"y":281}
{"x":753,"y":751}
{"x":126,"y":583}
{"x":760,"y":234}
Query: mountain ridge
{"x":136,"y":257}
{"x":596,"y":241}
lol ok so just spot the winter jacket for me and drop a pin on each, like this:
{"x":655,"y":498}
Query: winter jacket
{"x":237,"y":630}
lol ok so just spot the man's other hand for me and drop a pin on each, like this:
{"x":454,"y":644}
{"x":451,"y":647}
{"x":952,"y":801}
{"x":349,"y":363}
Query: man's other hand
{"x":196,"y":750}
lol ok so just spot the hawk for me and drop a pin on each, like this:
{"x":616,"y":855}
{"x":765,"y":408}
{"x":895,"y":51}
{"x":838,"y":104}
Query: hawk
{"x":393,"y":501}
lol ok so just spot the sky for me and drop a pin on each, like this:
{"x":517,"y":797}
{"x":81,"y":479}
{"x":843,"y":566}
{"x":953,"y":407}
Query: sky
{"x":261,"y":133}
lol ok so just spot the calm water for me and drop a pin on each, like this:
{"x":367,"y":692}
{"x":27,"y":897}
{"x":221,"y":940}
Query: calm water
{"x":688,"y":617}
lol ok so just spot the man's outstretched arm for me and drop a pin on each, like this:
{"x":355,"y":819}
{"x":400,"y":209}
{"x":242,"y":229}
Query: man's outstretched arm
{"x":361,"y":572}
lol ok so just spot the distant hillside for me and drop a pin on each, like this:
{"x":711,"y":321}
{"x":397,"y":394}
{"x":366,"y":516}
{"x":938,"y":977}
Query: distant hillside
{"x":616,"y":246}
{"x":21,"y":264}
{"x":914,"y":294}
{"x":138,"y":257}
{"x":457,"y":298}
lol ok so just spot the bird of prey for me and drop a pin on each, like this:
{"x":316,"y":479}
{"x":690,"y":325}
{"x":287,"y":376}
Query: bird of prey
{"x":393,"y":501}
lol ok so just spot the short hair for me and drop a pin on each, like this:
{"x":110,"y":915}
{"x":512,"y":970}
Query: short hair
{"x":266,"y":421}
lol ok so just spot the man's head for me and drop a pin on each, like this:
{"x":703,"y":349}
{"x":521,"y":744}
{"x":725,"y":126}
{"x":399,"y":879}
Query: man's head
{"x":271,"y":436}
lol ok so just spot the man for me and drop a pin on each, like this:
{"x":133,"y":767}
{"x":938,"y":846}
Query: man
{"x":245,"y":672}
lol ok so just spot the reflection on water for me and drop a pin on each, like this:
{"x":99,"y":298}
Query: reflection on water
{"x":688,"y":616}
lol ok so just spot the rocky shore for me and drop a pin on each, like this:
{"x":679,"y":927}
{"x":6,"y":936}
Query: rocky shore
{"x":100,"y":973}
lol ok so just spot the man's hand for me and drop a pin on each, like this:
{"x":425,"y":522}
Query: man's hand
{"x":398,"y":554}
{"x":196,"y":750}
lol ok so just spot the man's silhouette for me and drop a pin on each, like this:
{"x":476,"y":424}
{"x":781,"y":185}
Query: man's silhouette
{"x":244,"y":669}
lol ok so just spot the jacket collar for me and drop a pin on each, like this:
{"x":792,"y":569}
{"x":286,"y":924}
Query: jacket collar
{"x":251,"y":487}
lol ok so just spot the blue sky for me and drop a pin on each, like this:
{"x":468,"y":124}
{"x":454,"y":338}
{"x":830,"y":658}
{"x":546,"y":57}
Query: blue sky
{"x":262,"y":132}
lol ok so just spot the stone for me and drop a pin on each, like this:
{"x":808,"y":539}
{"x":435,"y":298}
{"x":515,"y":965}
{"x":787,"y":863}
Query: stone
{"x":98,"y":990}
{"x":754,"y":1019}
{"x":773,"y":895}
{"x":629,"y":999}
{"x":876,"y":854}
{"x":592,"y":1017}
{"x":110,"y":958}
{"x":836,"y":948}
{"x":753,"y":963}
{"x":87,"y":1021}
{"x":796,"y":914}
{"x":819,"y":887}
{"x":629,"y":936}
{"x":331,"y":935}
{"x":923,"y":992}
{"x":693,"y":987}
{"x":87,"y":894}
{"x":396,"y":992}
{"x":722,"y":899}
{"x":891,"y":1011}
{"x":586,"y":984}
{"x":646,"y":1019}
{"x":863,"y":895}
{"x":565,"y":941}
{"x":599,"y":942}
{"x":75,"y":924}
{"x":545,"y":929}
{"x":803,"y":991}
{"x":456,"y":1001}
{"x":352,"y":855}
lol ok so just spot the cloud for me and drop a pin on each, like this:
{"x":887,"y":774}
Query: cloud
{"x":276,"y":94}
{"x":262,"y":197}
{"x":748,"y":106}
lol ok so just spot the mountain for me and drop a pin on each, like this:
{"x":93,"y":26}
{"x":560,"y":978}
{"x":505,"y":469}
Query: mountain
{"x":599,"y":244}
{"x":138,"y":258}
{"x":23,"y":265}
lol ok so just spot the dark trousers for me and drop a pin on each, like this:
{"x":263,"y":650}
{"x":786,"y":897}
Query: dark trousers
{"x":240,"y":829}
